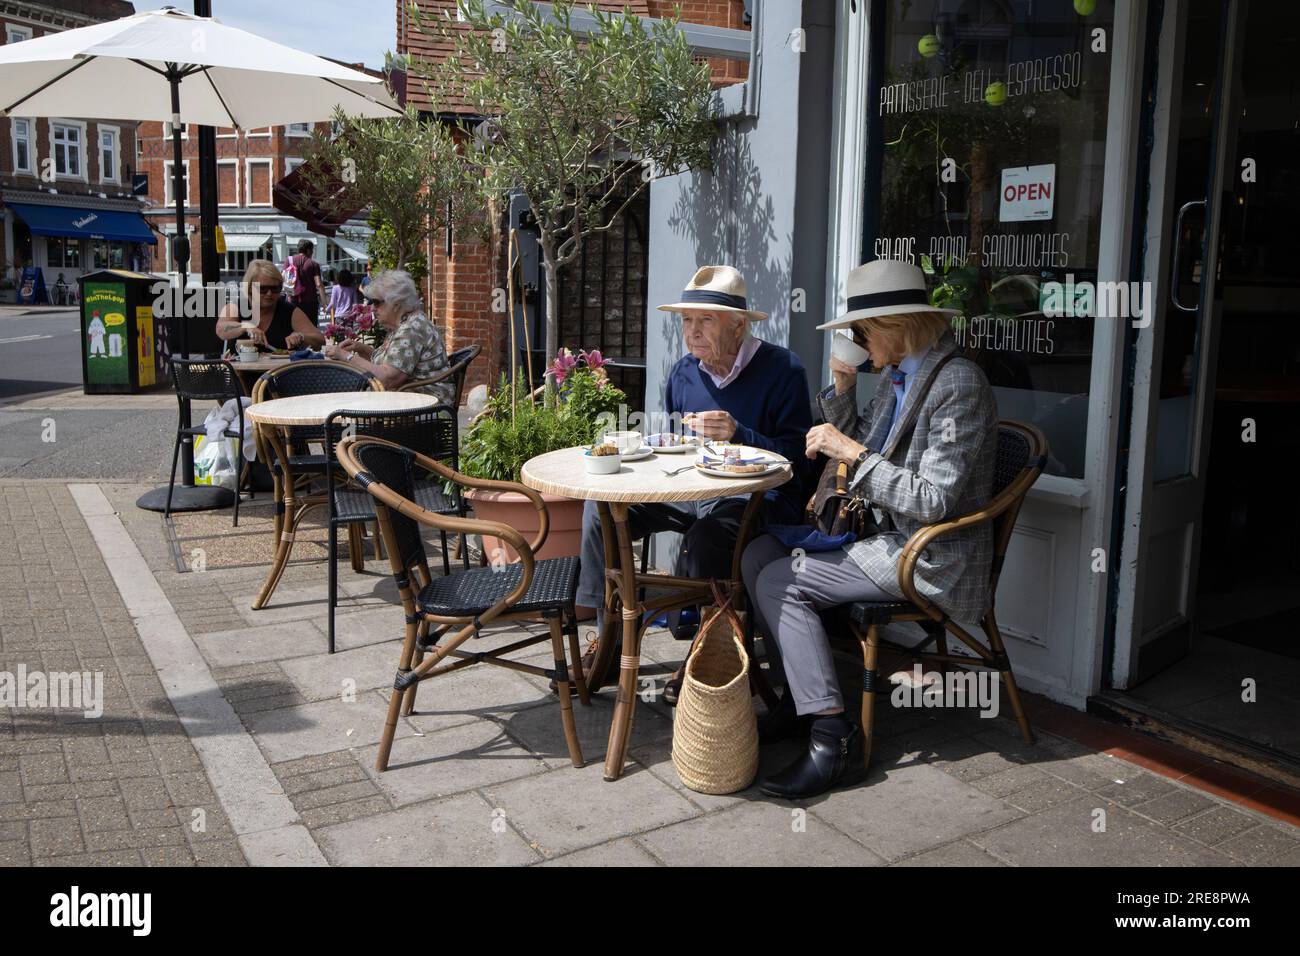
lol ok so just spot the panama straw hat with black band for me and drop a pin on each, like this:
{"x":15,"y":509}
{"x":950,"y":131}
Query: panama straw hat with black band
{"x":885,"y":287}
{"x":714,"y":289}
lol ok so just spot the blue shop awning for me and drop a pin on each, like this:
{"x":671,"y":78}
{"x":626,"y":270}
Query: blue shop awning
{"x":84,"y":223}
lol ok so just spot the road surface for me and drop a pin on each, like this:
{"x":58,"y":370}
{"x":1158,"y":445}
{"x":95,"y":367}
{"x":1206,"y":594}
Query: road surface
{"x":107,"y":437}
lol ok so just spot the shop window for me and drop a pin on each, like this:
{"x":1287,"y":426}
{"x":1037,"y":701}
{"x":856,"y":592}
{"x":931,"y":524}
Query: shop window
{"x":987,"y":142}
{"x":108,"y":255}
{"x":63,"y":252}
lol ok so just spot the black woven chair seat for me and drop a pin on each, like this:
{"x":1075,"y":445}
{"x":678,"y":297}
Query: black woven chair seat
{"x":351,"y":505}
{"x":300,"y":463}
{"x":879,"y":612}
{"x":466,"y":593}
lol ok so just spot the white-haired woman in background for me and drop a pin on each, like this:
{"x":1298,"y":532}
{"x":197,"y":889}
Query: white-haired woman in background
{"x":414,"y":347}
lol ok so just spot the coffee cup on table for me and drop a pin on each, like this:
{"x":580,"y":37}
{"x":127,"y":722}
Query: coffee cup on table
{"x":248,"y":352}
{"x":627,"y":442}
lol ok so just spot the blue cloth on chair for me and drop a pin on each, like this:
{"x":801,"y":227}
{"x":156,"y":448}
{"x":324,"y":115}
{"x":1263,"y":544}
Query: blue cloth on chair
{"x":808,"y":538}
{"x":305,"y":354}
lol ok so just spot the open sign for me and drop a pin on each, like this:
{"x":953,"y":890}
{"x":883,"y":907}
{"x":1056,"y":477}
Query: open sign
{"x":1028,"y":193}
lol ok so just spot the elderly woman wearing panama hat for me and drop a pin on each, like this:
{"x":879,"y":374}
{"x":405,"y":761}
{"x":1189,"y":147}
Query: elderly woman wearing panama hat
{"x":732,"y":386}
{"x":922,"y":450}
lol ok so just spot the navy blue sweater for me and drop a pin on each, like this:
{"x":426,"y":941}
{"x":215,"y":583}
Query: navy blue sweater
{"x":769,"y":401}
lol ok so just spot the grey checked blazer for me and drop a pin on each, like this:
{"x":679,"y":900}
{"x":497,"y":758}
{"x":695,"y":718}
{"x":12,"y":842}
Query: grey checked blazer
{"x":921,"y":478}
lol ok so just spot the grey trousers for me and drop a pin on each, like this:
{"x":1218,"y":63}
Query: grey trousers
{"x":709,"y":530}
{"x":785,"y":602}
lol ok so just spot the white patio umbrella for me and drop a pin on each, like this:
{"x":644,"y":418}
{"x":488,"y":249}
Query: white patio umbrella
{"x":176,"y":67}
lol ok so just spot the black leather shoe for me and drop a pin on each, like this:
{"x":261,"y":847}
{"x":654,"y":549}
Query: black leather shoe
{"x":831,"y":761}
{"x":784,"y":723}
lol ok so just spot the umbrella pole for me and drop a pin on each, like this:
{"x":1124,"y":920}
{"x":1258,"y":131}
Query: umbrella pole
{"x":187,"y":496}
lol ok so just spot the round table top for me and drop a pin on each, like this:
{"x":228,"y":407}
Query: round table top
{"x":563,"y":473}
{"x":314,"y":409}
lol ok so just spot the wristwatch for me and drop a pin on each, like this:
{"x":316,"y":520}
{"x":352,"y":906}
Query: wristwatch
{"x":351,"y":356}
{"x":862,"y":458}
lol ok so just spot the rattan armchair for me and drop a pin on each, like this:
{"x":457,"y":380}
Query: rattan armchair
{"x":458,"y":363}
{"x":1021,"y":455}
{"x":459,"y":606}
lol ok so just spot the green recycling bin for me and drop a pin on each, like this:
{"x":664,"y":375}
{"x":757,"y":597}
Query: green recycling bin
{"x":120,"y":352}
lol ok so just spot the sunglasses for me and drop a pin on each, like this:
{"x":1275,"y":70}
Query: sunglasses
{"x":375,"y":302}
{"x":270,"y":290}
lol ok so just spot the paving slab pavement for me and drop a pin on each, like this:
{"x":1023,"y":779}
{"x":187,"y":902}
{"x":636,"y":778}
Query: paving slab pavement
{"x":480,"y":773}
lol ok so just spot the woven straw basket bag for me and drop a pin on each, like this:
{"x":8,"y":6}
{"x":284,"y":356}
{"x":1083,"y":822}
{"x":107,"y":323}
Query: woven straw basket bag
{"x":715,"y":733}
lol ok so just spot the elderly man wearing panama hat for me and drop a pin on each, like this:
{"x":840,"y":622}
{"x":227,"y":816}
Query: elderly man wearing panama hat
{"x":922,"y":451}
{"x":731,"y":387}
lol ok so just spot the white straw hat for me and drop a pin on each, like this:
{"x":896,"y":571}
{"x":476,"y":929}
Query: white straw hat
{"x":715,"y":289}
{"x":885,"y":287}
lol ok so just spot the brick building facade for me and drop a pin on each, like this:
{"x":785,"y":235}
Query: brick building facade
{"x":249,"y":164}
{"x":601,"y":293}
{"x":62,"y":171}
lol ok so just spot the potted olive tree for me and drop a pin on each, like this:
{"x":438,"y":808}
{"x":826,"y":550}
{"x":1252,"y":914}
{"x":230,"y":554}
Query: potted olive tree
{"x":518,"y":425}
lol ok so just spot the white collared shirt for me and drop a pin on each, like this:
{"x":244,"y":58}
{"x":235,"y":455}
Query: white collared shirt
{"x":748,"y":346}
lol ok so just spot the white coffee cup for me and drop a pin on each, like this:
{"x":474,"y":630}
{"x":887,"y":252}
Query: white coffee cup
{"x":627,"y":442}
{"x":848,"y":351}
{"x":248,"y":353}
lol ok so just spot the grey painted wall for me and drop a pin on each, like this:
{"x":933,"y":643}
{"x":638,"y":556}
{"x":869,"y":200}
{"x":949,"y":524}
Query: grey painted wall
{"x":763,"y":209}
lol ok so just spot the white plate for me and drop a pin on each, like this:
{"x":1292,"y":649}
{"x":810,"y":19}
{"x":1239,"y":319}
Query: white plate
{"x":720,"y":473}
{"x":692,"y":445}
{"x":645,"y":451}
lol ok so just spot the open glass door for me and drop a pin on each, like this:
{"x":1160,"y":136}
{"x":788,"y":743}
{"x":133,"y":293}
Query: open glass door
{"x":1197,"y":87}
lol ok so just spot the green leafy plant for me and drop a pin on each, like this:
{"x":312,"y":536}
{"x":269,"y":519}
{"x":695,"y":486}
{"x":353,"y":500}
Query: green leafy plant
{"x":515,"y":427}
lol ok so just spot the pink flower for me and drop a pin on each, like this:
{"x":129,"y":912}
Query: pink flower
{"x":564,"y":363}
{"x":594,"y":359}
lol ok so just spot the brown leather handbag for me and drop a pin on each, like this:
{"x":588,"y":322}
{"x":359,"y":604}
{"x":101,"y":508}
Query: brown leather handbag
{"x":833,"y":509}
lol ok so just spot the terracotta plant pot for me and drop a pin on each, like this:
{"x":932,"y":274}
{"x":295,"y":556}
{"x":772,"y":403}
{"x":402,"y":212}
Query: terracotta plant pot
{"x":511,"y":508}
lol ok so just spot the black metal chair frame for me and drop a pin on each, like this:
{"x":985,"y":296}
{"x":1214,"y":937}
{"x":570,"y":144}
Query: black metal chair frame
{"x":306,"y":467}
{"x":440,"y":444}
{"x":199,"y":373}
{"x":425,"y":629}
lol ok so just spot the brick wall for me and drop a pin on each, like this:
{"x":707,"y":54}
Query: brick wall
{"x":714,"y":13}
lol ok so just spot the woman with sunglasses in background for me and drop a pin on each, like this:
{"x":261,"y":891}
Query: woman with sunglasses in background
{"x":276,"y":322}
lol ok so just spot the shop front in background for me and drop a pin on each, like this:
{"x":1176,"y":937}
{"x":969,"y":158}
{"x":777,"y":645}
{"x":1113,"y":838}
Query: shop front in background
{"x":986,"y":133}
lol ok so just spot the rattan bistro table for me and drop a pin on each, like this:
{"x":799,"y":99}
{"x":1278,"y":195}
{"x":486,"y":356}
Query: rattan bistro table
{"x":271,"y":416}
{"x":639,"y":482}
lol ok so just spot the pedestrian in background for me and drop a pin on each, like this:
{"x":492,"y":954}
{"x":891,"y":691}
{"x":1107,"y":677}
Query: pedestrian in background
{"x":302,"y":279}
{"x":343,"y":295}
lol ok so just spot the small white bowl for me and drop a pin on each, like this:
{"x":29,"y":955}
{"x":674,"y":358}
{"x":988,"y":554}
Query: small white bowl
{"x":602,"y":464}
